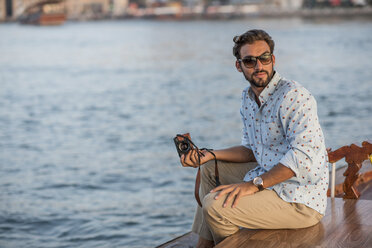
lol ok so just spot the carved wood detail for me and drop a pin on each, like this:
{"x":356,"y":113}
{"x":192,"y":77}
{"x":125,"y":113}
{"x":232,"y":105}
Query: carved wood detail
{"x":354,"y":157}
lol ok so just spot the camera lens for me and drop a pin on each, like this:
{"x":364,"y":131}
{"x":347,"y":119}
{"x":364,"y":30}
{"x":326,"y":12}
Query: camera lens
{"x":184,"y":146}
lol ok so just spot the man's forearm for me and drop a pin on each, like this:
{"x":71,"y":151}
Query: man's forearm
{"x":277,"y":174}
{"x":236,"y":154}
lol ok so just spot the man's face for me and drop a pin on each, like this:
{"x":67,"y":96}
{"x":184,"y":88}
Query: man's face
{"x":260,"y":75}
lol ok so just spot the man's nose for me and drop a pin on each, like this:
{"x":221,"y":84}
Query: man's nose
{"x":259,"y":65}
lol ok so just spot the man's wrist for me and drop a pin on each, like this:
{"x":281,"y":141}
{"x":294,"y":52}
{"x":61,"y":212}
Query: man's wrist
{"x":250,"y":183}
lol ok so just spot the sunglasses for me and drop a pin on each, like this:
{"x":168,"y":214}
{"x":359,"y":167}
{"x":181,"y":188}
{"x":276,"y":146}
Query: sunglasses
{"x":251,"y":61}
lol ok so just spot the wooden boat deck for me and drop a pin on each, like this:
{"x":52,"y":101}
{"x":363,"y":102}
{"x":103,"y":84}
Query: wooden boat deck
{"x":347,"y":223}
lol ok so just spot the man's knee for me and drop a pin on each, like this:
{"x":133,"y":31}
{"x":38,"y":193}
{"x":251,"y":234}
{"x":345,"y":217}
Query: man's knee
{"x":211,"y":205}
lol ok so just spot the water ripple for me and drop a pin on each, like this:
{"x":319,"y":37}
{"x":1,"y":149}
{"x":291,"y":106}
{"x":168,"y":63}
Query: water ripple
{"x":72,"y":186}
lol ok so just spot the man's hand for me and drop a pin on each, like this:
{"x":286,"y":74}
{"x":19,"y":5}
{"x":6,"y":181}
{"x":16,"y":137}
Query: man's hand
{"x":191,"y":158}
{"x":234,"y":192}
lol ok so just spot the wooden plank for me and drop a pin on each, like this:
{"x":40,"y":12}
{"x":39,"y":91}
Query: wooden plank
{"x":350,"y":235}
{"x":188,"y":240}
{"x":347,"y":223}
{"x":240,"y":242}
{"x":367,"y":192}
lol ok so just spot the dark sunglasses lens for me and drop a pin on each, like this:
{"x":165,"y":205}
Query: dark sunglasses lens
{"x":265,"y":59}
{"x":249,"y":62}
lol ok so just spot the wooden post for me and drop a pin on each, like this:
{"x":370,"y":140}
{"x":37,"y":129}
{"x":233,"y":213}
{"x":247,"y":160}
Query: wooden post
{"x":333,"y":180}
{"x":354,"y":157}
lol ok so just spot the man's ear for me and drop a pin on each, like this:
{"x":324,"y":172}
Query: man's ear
{"x":237,"y":65}
{"x":273,"y":59}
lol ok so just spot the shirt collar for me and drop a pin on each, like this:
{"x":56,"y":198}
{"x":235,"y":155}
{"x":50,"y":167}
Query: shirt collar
{"x":269,"y":89}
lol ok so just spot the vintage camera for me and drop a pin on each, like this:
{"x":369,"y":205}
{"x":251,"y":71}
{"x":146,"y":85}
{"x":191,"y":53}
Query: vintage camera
{"x":183,"y":143}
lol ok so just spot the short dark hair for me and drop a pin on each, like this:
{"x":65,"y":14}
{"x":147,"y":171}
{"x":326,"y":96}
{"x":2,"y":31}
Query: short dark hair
{"x":249,"y":37}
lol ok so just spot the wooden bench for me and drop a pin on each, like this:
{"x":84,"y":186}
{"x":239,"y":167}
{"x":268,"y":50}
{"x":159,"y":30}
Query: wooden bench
{"x":347,"y":222}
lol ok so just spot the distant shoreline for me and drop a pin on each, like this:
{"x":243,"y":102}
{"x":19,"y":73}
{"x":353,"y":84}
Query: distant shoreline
{"x":234,"y":12}
{"x":324,"y":12}
{"x":227,"y":12}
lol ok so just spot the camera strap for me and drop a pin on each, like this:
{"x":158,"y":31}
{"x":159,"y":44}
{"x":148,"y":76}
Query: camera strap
{"x":197,"y":180}
{"x":216,"y":174}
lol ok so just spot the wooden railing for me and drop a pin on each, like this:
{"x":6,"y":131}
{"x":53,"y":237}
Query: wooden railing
{"x":354,"y":157}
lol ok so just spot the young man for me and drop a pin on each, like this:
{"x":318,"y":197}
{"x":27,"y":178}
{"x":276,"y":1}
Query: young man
{"x":278,"y":177}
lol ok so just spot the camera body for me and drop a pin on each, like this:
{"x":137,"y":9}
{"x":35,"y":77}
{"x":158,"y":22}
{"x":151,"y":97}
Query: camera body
{"x":183,"y":143}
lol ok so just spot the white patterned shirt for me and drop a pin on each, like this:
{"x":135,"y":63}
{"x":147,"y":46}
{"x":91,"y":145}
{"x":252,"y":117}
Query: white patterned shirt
{"x":285,"y":129}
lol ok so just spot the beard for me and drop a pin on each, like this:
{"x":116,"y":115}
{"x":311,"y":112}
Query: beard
{"x":259,"y":82}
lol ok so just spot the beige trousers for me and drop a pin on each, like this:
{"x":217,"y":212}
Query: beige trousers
{"x":263,"y":210}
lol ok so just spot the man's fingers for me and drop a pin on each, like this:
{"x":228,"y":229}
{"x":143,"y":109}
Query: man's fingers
{"x":182,"y":160}
{"x":231,"y":196}
{"x":233,"y":191}
{"x":219,"y":188}
{"x":224,"y":191}
{"x":185,"y":161}
{"x":194,"y":158}
{"x":190,"y":159}
{"x":237,"y":198}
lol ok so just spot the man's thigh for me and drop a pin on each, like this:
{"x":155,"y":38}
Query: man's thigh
{"x":229,"y":173}
{"x":263,"y":210}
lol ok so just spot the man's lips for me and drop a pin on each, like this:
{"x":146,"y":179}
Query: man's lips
{"x":260,"y":74}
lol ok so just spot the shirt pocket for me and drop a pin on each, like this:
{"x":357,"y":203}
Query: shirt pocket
{"x":272,"y":134}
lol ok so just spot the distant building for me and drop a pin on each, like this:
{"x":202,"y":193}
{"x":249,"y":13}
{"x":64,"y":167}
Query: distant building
{"x":6,"y":10}
{"x":2,"y":10}
{"x":291,"y":4}
{"x":87,"y":9}
{"x":75,"y":9}
{"x":285,"y":4}
{"x":12,"y":9}
{"x":119,"y":7}
{"x":95,"y":9}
